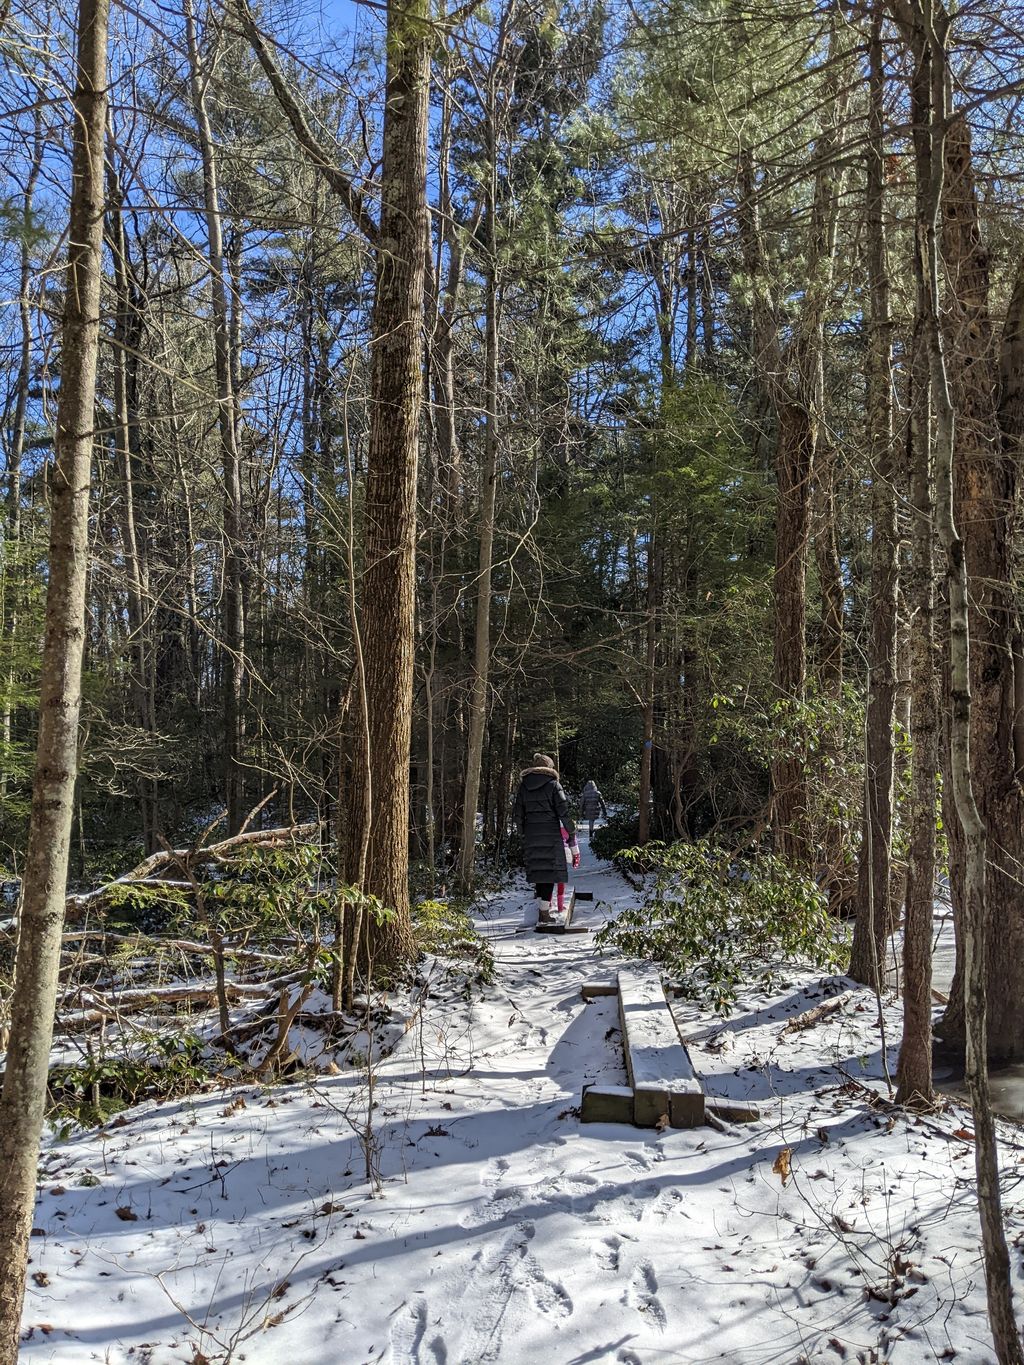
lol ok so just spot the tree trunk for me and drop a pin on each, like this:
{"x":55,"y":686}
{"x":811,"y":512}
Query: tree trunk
{"x":650,"y":681}
{"x":23,"y":1101}
{"x":833,"y":857}
{"x":874,"y":881}
{"x":664,"y":277}
{"x":14,"y":577}
{"x":233,"y":647}
{"x":973,"y":910}
{"x":987,"y":493}
{"x":793,"y":464}
{"x":127,"y":340}
{"x":388,"y":605}
{"x":915,"y":1084}
{"x":488,"y":481}
{"x":830,"y":581}
{"x":792,"y":378}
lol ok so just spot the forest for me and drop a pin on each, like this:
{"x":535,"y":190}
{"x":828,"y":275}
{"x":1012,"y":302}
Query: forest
{"x":394,"y":390}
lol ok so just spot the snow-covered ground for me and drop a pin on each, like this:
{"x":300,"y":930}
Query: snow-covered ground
{"x":241,"y":1226}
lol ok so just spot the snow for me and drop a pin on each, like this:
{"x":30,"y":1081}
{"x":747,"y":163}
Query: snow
{"x":242,"y":1225}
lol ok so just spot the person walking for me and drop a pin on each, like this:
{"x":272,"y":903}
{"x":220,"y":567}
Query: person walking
{"x":592,"y":805}
{"x":541,"y":813}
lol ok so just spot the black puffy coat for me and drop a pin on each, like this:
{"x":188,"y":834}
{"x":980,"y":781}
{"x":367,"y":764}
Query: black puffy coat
{"x":592,"y":803}
{"x":541,"y":810}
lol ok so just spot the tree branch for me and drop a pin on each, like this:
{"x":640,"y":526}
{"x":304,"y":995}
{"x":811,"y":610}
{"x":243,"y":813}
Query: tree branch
{"x":319,"y":157}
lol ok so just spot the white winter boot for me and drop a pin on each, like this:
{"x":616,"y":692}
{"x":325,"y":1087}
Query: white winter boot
{"x":535,"y":912}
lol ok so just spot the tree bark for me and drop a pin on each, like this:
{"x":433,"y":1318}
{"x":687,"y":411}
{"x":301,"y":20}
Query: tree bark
{"x":792,"y":378}
{"x":380,"y":813}
{"x":650,"y":680}
{"x":23,"y":1101}
{"x":986,"y":490}
{"x":914,"y":1073}
{"x":13,"y":578}
{"x":915,"y":1084}
{"x":388,"y":605}
{"x":933,"y":36}
{"x":233,"y":649}
{"x":126,"y":344}
{"x":874,"y":881}
{"x":488,"y":485}
{"x":794,"y":459}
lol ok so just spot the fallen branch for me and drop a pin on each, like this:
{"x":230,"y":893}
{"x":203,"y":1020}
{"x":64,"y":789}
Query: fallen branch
{"x":213,"y":853}
{"x":182,"y":945}
{"x":286,"y":1017}
{"x":140,"y":996}
{"x":811,"y":1017}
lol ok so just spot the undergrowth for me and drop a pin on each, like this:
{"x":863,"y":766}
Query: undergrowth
{"x":444,"y":928}
{"x":717,"y":921}
{"x":93,"y":1090}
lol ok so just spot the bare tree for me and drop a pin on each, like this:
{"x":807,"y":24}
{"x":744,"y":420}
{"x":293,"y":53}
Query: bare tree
{"x":927,"y":27}
{"x":23,"y":1100}
{"x":915,"y":1060}
{"x":488,"y":473}
{"x":874,"y":889}
{"x":792,"y":376}
{"x":225,"y":359}
{"x":387,"y":622}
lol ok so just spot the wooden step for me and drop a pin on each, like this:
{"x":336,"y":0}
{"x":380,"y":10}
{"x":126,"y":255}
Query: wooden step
{"x":665,"y":1085}
{"x":594,"y":990}
{"x":607,"y":1104}
{"x":561,"y":924}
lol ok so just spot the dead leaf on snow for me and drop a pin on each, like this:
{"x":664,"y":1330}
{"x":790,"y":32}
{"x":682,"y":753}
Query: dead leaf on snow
{"x":781,"y":1164}
{"x":126,"y":1214}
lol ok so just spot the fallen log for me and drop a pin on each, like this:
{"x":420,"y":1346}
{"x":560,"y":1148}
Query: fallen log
{"x":182,"y":945}
{"x":200,"y":992}
{"x":212,"y":853}
{"x":811,"y":1017}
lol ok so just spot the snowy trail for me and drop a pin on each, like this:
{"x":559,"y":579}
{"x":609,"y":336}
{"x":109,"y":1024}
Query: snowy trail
{"x":239,"y":1226}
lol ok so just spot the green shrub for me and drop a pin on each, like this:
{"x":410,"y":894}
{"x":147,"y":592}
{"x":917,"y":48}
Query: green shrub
{"x":445,"y":929}
{"x":620,"y":831}
{"x":718,"y":922}
{"x":91,"y":1091}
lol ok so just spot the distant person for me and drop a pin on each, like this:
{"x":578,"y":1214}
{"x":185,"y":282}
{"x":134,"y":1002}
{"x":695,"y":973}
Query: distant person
{"x":541,"y":812}
{"x":592,"y":805}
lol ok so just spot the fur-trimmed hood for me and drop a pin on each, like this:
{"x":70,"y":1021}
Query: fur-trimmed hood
{"x":546,"y":772}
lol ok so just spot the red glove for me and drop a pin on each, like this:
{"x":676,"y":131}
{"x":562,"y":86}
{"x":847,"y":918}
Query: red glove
{"x":575,"y":851}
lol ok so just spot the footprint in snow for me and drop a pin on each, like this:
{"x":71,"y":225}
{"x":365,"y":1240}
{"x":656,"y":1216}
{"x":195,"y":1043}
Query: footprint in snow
{"x":493,"y":1171}
{"x":492,"y":1304}
{"x":502,"y":1206}
{"x":564,"y":1189}
{"x":608,"y":1254}
{"x":407,"y":1332}
{"x":643,"y":1294}
{"x":642,"y":1199}
{"x":549,"y":1295}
